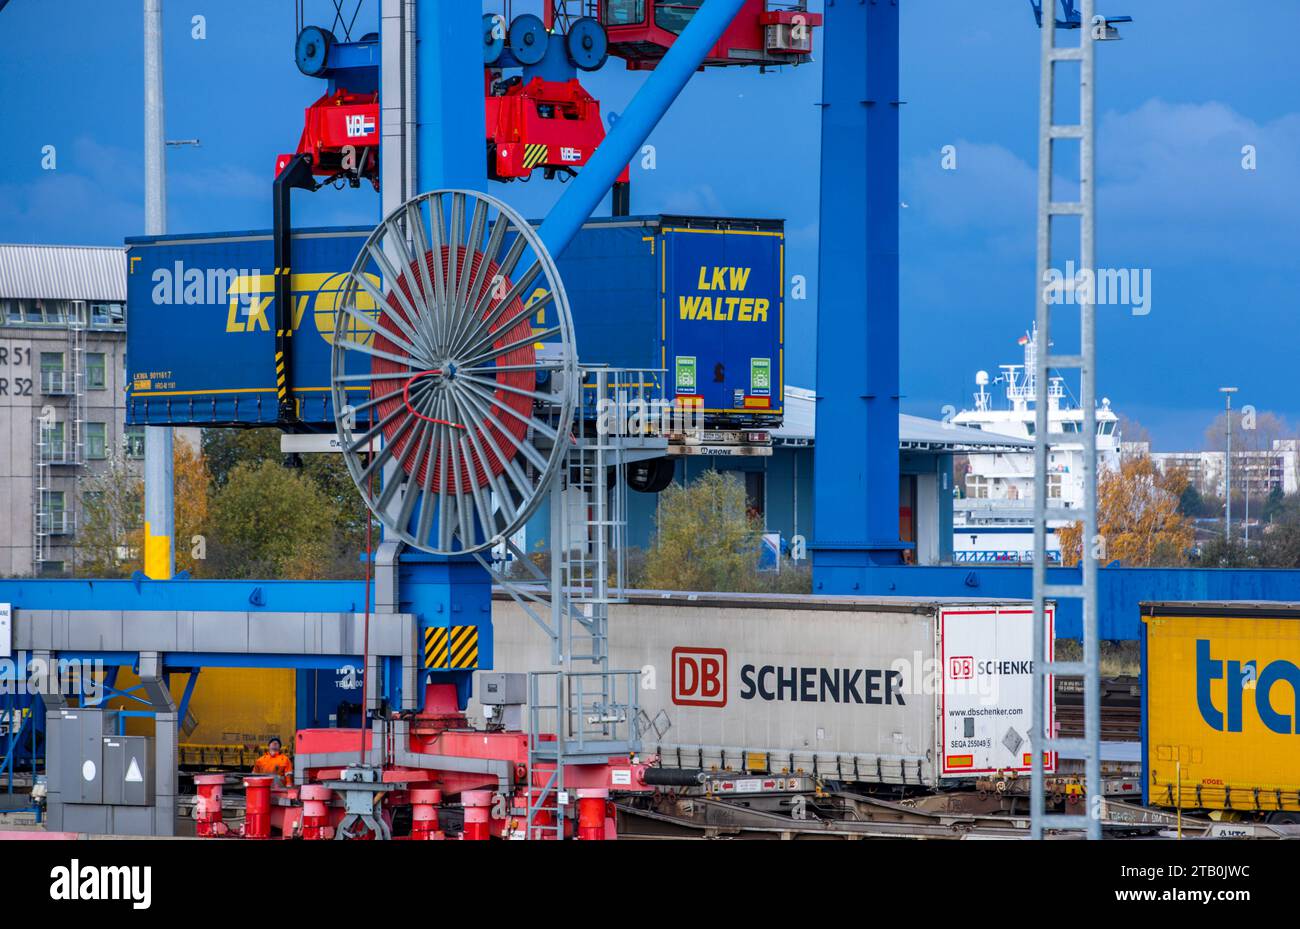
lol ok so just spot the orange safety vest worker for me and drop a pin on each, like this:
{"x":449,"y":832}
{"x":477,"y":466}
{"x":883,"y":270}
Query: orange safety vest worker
{"x":275,"y":762}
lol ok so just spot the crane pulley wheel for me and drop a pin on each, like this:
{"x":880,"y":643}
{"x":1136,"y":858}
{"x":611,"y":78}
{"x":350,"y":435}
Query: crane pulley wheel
{"x":453,"y":371}
{"x":494,"y":37}
{"x":528,"y":39}
{"x":312,"y":49}
{"x":587,"y":44}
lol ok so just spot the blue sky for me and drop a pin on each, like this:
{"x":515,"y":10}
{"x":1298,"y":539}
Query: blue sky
{"x":1191,"y":83}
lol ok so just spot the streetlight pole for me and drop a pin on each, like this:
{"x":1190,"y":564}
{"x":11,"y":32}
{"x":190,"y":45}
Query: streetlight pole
{"x":1227,"y":464}
{"x":159,"y":517}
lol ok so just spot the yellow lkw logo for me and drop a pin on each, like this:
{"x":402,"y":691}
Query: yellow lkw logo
{"x":251,"y":296}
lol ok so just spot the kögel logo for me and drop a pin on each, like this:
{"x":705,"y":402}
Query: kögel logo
{"x":1240,"y":677}
{"x":699,"y":676}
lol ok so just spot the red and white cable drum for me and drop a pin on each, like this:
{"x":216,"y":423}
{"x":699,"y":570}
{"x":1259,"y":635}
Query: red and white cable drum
{"x":450,"y":419}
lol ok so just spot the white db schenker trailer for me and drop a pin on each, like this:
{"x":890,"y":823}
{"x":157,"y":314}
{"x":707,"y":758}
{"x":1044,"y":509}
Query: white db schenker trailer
{"x":885,"y":690}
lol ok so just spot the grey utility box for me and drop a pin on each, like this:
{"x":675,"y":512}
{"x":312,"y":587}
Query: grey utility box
{"x":80,"y":774}
{"x":128,"y":771}
{"x":498,"y":688}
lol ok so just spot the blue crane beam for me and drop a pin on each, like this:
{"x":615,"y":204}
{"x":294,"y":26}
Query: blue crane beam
{"x":855,"y":516}
{"x":636,"y":123}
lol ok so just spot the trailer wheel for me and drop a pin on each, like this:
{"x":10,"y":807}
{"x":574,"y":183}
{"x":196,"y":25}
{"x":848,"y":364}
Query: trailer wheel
{"x":651,"y":476}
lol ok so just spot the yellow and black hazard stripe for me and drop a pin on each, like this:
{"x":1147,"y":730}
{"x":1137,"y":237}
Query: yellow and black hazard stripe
{"x":281,"y":388}
{"x":535,"y":154}
{"x":454,"y":648}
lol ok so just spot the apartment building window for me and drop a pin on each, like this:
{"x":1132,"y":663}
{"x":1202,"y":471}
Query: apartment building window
{"x":52,"y":567}
{"x":96,"y":371}
{"x":52,"y":442}
{"x":107,"y":314}
{"x":54,"y":519}
{"x":134,"y":442}
{"x":13,"y":310}
{"x":52,"y":372}
{"x":96,"y":441}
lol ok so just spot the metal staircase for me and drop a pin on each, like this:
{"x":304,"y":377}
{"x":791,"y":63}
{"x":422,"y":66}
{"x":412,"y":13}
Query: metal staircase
{"x":588,"y":523}
{"x":1087,"y":748}
{"x":59,"y":442}
{"x":574,"y":718}
{"x":587,"y":714}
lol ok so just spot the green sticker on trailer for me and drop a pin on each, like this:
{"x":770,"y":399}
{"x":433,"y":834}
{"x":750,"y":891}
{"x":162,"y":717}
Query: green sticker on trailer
{"x":686,"y":374}
{"x":760,"y":377}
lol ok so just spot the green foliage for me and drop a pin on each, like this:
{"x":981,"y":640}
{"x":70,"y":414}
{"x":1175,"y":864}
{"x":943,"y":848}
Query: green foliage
{"x":1190,"y":503}
{"x":271,"y":521}
{"x":1274,"y":504}
{"x":223,"y":449}
{"x":1279,"y":545}
{"x":1218,"y":552}
{"x":227,"y":449}
{"x":706,"y":539}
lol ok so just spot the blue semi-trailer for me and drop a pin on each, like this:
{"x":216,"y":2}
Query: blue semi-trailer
{"x":699,"y":300}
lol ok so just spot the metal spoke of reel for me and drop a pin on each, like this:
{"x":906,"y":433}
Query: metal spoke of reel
{"x":451,"y":423}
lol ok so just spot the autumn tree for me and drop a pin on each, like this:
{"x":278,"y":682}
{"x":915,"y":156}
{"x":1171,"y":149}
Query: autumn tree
{"x":271,"y":521}
{"x":112,"y":522}
{"x":705,"y":537}
{"x":190,"y":483}
{"x":1138,"y":517}
{"x":224,"y":449}
{"x":112,"y":503}
{"x":1253,"y":433}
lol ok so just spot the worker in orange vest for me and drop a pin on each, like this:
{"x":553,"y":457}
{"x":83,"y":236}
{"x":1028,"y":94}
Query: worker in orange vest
{"x":275,"y":762}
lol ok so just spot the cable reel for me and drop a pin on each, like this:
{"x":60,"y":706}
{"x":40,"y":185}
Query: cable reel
{"x":458,"y":418}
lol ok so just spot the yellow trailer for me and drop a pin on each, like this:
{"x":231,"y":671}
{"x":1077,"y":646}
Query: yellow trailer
{"x":1219,"y":707}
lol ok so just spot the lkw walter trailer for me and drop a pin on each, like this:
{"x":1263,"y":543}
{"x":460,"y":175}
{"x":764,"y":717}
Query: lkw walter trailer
{"x":695,"y":303}
{"x":926,"y":693}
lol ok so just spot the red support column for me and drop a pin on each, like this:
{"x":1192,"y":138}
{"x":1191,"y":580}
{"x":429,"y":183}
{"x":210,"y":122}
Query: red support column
{"x":207,"y":809}
{"x":424,"y":814}
{"x":315,"y":812}
{"x":257,"y":807}
{"x":591,"y":813}
{"x":478,"y":810}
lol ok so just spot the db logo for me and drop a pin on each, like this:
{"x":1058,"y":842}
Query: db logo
{"x":961,"y":668}
{"x":700,"y":676}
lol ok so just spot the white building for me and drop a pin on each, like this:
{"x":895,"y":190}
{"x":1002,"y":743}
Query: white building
{"x":1256,"y":470}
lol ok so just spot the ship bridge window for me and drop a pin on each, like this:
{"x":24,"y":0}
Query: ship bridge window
{"x":977,"y":487}
{"x":1054,"y":487}
{"x":624,"y":12}
{"x":1106,"y":428}
{"x":673,"y":17}
{"x":1070,"y":425}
